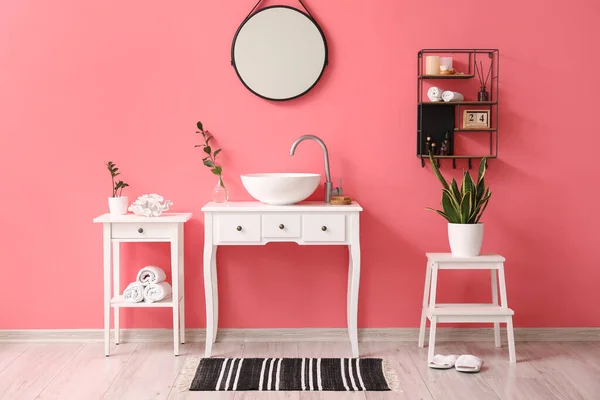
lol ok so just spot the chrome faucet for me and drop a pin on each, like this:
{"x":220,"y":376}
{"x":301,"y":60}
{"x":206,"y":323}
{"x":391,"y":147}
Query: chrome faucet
{"x":329,"y":190}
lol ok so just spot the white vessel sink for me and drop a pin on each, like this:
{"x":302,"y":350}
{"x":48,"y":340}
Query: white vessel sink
{"x":281,"y":188}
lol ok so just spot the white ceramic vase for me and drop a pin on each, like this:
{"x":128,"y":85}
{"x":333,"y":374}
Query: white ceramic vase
{"x":465,"y":239}
{"x":118,"y":205}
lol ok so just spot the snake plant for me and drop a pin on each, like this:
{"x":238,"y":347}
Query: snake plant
{"x":464,"y":204}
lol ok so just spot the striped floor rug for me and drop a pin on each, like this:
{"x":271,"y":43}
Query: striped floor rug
{"x":286,"y":374}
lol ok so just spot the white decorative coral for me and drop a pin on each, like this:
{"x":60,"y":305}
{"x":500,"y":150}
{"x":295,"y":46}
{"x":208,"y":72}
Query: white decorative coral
{"x":150,"y":205}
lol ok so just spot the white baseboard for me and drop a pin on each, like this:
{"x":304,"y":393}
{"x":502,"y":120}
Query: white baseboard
{"x":308,"y":334}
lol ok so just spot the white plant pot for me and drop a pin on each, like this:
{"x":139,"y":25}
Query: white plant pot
{"x":465,"y":239}
{"x":118,"y":205}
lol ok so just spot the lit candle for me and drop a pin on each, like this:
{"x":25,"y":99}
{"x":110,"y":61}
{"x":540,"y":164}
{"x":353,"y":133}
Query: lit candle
{"x":432,"y":65}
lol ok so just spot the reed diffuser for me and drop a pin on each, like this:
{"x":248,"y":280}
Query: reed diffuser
{"x":483,"y":95}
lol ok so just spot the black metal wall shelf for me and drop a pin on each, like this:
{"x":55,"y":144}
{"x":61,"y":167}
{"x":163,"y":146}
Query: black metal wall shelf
{"x":438,"y":120}
{"x":462,"y":76}
{"x":461,"y":157}
{"x":475,"y":130}
{"x":454,"y":103}
{"x":454,"y":158}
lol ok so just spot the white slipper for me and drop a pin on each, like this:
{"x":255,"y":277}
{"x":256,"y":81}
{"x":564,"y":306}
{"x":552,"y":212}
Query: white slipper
{"x":443,"y":362}
{"x":468,"y":363}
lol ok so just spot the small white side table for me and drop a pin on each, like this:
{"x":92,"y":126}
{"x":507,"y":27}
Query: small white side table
{"x":133,"y":228}
{"x":487,"y":312}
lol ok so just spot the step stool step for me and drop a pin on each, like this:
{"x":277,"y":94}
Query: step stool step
{"x":470,"y":310}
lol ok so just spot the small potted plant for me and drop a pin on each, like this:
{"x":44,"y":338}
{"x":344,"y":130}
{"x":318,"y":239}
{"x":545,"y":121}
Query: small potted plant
{"x":463,"y":207}
{"x":117,"y":203}
{"x":219,"y":194}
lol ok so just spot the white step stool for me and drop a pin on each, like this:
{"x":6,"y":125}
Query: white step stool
{"x":492,"y":312}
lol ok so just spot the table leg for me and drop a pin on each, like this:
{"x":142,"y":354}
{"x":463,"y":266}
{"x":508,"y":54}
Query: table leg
{"x":502,"y":285}
{"x":175,"y":296}
{"x":511,"y":341}
{"x":215,"y":293}
{"x":116,"y":288}
{"x":424,"y":307}
{"x":431,"y":345}
{"x":433,"y":322}
{"x":353,"y":286}
{"x":348,"y":311}
{"x":208,"y":282}
{"x":509,"y":324}
{"x":181,"y":257}
{"x":495,"y":301}
{"x":433,"y":285}
{"x":208,"y":291}
{"x":107,"y":266}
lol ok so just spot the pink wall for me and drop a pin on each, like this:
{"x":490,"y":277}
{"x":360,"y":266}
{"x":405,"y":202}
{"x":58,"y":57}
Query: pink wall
{"x":84,"y":82}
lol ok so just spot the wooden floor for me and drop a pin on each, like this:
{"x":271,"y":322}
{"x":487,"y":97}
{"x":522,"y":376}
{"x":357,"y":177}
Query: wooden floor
{"x":148,"y":371}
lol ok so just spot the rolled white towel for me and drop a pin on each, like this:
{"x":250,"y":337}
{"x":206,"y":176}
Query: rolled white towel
{"x":151,"y":274}
{"x":434,"y":94}
{"x":134,"y":293}
{"x":157,"y":292}
{"x":449,"y":96}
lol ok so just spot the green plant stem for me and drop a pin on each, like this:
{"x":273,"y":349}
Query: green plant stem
{"x":212,"y":157}
{"x":210,"y":160}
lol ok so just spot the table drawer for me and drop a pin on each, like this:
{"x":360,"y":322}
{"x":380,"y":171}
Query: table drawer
{"x":234,"y":228}
{"x":140,"y":231}
{"x":324,"y":228}
{"x":281,"y":226}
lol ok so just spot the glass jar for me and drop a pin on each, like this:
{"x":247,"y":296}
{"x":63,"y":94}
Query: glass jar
{"x":219,"y":194}
{"x":483,"y":95}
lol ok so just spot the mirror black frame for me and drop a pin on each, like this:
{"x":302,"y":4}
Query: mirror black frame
{"x":311,"y":19}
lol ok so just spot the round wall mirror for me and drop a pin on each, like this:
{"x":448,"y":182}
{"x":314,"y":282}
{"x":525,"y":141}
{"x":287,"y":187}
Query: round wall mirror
{"x":279,"y":53}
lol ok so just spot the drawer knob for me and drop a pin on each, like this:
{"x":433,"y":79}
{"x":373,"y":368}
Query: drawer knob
{"x":141,"y":230}
{"x":281,"y":226}
{"x":323,"y":228}
{"x":239,"y":228}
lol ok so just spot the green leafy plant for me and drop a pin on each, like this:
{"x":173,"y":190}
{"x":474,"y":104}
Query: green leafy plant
{"x":211,"y":159}
{"x":464,"y":204}
{"x":117,"y":187}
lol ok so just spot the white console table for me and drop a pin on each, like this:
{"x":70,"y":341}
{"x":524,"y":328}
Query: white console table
{"x":132,"y":228}
{"x":256,"y":224}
